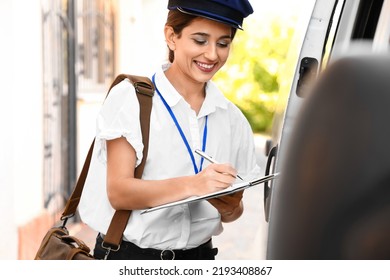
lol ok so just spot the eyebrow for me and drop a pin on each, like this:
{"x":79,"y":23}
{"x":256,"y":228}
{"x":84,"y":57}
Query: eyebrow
{"x":208,"y":35}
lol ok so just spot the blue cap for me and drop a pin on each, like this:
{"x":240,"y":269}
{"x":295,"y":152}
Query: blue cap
{"x":231,"y":12}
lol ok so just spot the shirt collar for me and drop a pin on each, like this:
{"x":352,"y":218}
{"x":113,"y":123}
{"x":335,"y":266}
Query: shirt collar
{"x":171,"y":96}
{"x":214,"y":97}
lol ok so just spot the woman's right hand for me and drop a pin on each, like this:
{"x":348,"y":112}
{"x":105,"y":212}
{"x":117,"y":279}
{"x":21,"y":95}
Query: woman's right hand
{"x":214,"y":177}
{"x":126,"y":192}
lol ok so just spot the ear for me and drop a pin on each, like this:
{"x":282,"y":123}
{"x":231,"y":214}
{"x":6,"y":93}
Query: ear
{"x":170,"y":37}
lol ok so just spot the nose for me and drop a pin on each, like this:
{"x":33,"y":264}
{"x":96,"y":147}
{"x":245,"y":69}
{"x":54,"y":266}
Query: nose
{"x":211,"y":52}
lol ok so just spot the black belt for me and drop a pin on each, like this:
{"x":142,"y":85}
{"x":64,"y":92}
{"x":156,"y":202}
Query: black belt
{"x":204,"y":251}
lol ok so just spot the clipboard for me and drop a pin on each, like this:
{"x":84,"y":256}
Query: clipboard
{"x":229,"y":190}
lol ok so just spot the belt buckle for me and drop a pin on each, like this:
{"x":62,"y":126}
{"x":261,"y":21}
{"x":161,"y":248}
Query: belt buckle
{"x":167,"y":254}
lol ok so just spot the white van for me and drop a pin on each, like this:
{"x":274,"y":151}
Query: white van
{"x":336,"y":30}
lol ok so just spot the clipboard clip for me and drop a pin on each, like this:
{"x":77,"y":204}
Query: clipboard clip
{"x":264,"y":179}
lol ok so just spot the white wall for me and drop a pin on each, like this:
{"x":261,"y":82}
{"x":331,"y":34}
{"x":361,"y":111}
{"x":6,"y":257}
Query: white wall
{"x":20,"y":119}
{"x":142,"y":46}
{"x":6,"y":151}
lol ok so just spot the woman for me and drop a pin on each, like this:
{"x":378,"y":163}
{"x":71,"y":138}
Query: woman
{"x":188,"y":113}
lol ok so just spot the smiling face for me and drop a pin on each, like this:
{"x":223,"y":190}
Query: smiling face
{"x":200,"y":50}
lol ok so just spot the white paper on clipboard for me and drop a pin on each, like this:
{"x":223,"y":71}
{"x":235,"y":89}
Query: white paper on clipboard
{"x":229,"y":190}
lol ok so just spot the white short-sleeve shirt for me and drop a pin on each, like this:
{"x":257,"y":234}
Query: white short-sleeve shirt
{"x":229,"y":140}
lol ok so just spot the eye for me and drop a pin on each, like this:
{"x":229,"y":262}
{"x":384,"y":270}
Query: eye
{"x":223,"y":43}
{"x":200,"y":41}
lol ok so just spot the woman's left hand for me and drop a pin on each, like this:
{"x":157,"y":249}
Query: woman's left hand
{"x":229,"y":206}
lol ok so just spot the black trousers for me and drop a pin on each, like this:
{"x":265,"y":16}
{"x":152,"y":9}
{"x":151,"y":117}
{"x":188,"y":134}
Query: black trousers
{"x":129,"y":251}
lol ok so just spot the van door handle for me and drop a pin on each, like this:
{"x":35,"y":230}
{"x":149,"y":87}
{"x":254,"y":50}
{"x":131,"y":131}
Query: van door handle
{"x":307,"y":72}
{"x":267,"y":189}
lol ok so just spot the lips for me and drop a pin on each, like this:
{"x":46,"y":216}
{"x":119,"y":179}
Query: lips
{"x":206,"y":67}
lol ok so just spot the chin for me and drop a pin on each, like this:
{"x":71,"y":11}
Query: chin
{"x":204,"y":77}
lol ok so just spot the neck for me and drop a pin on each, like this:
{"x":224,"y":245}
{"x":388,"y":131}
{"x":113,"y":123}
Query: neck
{"x":193,"y":92}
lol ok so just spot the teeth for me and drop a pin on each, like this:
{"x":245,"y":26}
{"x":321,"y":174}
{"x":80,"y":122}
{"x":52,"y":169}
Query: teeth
{"x":207,"y":66}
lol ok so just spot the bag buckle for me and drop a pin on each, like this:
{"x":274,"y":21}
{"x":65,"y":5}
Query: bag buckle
{"x":167,"y":255}
{"x":109,"y":249}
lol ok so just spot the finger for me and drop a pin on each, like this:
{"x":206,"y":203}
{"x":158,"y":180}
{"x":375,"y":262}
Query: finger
{"x":220,"y":205}
{"x":224,"y":178}
{"x":229,"y":199}
{"x":237,"y":195}
{"x":223,"y":206}
{"x":225,"y":169}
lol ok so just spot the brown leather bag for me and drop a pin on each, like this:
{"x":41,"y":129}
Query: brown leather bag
{"x":57,"y":243}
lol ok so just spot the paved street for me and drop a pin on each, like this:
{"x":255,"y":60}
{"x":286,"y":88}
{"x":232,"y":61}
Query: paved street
{"x":243,"y":239}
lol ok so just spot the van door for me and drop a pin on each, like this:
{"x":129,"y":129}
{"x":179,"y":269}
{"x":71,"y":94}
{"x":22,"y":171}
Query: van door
{"x":336,"y":29}
{"x":306,"y":69}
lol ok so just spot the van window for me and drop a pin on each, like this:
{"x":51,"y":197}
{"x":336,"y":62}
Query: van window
{"x":332,"y":33}
{"x":367,"y":19}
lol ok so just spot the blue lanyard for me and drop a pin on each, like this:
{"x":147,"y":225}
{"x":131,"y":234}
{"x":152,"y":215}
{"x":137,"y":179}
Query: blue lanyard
{"x":196,"y":169}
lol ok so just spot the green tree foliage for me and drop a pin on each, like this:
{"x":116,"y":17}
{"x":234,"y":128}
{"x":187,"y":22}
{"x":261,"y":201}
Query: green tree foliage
{"x":250,"y":78}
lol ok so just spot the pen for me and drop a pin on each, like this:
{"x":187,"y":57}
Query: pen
{"x":210,"y":159}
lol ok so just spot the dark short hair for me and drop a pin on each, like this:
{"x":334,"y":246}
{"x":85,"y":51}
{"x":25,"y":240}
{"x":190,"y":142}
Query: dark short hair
{"x":178,"y":21}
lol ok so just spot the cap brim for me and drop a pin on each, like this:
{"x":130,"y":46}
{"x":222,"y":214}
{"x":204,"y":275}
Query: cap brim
{"x":210,"y":16}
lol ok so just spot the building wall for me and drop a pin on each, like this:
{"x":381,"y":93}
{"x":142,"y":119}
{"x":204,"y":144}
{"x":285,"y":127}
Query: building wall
{"x":21,"y":119}
{"x":141,"y":43}
{"x":140,"y":48}
{"x":6,"y":190}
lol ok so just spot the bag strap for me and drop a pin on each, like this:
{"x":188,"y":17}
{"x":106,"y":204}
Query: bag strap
{"x":145,"y":91}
